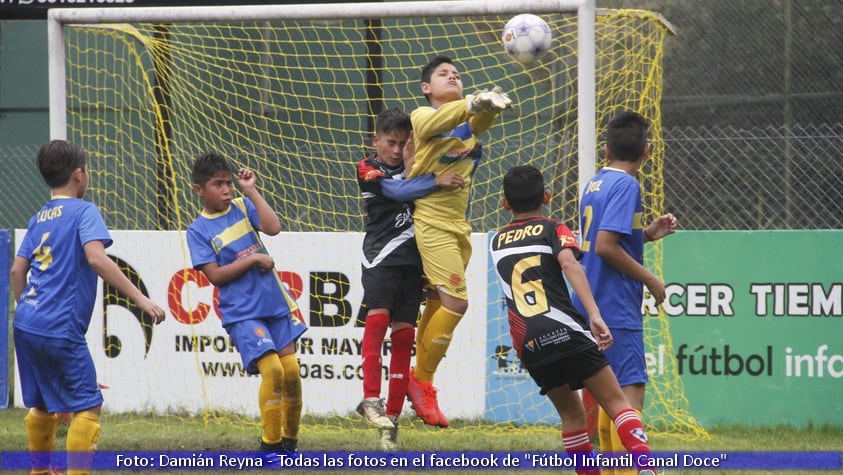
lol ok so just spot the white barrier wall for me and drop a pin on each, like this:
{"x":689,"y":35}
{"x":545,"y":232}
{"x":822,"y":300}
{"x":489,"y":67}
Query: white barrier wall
{"x":188,"y":363}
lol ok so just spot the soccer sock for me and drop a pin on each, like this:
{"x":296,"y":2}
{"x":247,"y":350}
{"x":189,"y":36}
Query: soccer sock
{"x":269,"y":396}
{"x":82,"y":438}
{"x":430,"y":307}
{"x":630,"y":431}
{"x":577,"y":442}
{"x":399,"y":369}
{"x":435,"y":342}
{"x":373,"y":334}
{"x":291,"y":400}
{"x":41,"y":432}
{"x":605,"y":431}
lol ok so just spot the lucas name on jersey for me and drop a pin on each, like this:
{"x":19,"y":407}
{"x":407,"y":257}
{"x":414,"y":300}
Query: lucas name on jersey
{"x":50,"y":213}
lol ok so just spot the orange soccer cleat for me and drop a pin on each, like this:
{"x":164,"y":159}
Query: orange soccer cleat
{"x":423,"y":398}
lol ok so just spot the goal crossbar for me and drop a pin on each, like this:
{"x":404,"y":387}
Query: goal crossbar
{"x":322,"y":11}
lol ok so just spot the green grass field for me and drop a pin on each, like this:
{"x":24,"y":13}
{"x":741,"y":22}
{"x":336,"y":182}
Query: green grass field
{"x":222,"y":433}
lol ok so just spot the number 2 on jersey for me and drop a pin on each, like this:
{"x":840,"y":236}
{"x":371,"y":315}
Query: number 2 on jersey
{"x":588,"y":216}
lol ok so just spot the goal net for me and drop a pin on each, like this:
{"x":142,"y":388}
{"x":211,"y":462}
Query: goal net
{"x":145,"y":91}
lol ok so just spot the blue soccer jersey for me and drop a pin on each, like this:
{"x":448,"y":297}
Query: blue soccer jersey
{"x":224,"y":238}
{"x":58,"y":299}
{"x":612,"y":202}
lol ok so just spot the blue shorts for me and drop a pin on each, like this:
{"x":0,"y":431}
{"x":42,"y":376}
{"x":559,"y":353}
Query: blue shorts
{"x":626,"y":357}
{"x":257,"y":337}
{"x":56,"y":374}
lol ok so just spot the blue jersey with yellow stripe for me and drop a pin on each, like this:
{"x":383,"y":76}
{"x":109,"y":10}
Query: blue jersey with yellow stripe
{"x":59,"y":295}
{"x":226,"y":237}
{"x":612,"y":202}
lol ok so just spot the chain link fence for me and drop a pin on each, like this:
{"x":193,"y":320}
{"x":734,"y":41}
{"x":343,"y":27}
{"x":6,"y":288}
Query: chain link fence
{"x":758,"y":178}
{"x":753,"y":113}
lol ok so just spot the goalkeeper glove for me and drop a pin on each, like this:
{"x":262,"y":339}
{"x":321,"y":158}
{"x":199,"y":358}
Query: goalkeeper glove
{"x":485,"y":101}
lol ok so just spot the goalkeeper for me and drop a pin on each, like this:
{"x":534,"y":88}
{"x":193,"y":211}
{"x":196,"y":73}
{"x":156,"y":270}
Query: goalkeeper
{"x":445,"y":138}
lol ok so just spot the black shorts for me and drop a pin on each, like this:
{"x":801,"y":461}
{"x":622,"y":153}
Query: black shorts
{"x":569,"y":370}
{"x":398,"y":289}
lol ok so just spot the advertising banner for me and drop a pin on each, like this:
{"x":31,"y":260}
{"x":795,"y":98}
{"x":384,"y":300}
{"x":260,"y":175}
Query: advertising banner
{"x":755,"y":321}
{"x":757,"y":324}
{"x":188,"y":363}
{"x":756,"y":329}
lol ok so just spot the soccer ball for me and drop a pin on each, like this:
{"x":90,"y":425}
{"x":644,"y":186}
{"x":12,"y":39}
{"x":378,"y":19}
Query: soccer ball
{"x":526,"y":38}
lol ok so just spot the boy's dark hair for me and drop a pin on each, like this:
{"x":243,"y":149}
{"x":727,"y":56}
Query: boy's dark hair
{"x":393,"y":120}
{"x":207,"y":165}
{"x":626,"y":136}
{"x":57,"y":159}
{"x":523,"y":188}
{"x":427,"y":70}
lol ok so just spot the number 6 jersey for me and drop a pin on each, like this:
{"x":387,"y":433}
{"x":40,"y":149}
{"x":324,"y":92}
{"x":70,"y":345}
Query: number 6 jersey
{"x":543,"y":323}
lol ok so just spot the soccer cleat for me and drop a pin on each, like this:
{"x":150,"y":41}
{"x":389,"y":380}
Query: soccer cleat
{"x":266,"y":447}
{"x":286,"y":445}
{"x":289,"y":445}
{"x":389,"y":437}
{"x":423,"y":398}
{"x":51,"y":471}
{"x":372,"y":411}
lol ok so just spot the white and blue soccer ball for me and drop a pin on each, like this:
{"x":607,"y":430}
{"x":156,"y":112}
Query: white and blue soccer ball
{"x":526,"y":38}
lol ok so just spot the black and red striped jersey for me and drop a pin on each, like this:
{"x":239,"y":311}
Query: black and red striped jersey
{"x":543,"y":323}
{"x":387,"y":202}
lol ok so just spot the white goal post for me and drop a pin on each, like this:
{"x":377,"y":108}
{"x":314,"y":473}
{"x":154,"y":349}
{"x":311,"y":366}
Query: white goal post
{"x":585,"y":10}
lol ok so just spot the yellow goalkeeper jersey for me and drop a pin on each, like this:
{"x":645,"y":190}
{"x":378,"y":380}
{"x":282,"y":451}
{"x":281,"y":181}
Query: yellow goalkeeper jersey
{"x":446,"y":141}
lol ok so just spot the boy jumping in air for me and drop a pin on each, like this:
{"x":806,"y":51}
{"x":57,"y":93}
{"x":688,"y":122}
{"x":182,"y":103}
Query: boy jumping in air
{"x":445,"y":137}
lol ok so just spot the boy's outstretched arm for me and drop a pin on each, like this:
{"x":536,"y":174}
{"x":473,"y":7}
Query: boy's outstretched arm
{"x":414,"y":188}
{"x":493,"y":103}
{"x":429,"y":122}
{"x":109,"y":272}
{"x":269,"y":222}
{"x":576,"y":277}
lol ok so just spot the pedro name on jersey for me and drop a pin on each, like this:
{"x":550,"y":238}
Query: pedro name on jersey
{"x":544,"y":326}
